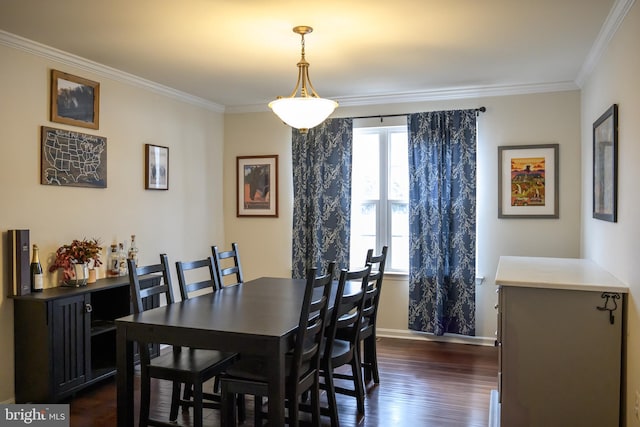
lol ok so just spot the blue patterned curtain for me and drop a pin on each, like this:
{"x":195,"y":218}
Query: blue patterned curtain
{"x":322,"y":195}
{"x":442,"y":221}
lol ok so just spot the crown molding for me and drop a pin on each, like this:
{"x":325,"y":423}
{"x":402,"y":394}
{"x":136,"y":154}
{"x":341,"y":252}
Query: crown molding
{"x":458,"y":93}
{"x":609,"y":28}
{"x":53,"y":54}
{"x":432,"y":95}
{"x":611,"y":25}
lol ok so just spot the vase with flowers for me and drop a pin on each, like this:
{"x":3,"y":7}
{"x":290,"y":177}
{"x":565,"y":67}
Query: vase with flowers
{"x":75,"y":259}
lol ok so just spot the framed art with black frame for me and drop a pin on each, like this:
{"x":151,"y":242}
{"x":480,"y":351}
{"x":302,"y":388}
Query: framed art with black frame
{"x":156,"y":160}
{"x":605,"y":165}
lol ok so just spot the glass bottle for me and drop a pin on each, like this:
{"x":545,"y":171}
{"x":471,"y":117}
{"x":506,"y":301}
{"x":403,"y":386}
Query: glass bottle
{"x":122,"y":260}
{"x":37,"y":277}
{"x":133,"y":250}
{"x":113,"y":268}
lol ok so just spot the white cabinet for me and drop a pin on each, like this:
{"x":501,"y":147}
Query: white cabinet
{"x":561,"y":343}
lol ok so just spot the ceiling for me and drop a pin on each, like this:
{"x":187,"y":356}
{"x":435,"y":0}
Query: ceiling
{"x":241,"y":54}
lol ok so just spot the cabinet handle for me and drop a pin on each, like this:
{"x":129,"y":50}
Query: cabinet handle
{"x":88,"y":308}
{"x":609,"y":296}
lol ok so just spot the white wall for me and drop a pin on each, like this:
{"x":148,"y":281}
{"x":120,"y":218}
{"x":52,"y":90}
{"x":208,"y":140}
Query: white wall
{"x":616,"y":246}
{"x":509,"y":120}
{"x":265,"y":243}
{"x":183,"y":222}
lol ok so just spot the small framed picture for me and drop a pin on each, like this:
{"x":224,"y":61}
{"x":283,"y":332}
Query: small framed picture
{"x":156,"y":160}
{"x":605,"y":166}
{"x":74,"y":100}
{"x":528,"y":181}
{"x":257,"y":186}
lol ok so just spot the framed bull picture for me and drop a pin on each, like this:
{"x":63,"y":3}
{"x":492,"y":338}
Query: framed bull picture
{"x":257,"y":186}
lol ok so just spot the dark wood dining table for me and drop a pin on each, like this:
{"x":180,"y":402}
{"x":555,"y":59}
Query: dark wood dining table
{"x":258,"y":317}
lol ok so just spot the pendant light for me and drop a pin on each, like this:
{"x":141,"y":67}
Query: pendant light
{"x":307,"y":110}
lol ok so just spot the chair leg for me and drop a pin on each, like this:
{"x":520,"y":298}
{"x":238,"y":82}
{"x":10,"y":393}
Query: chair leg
{"x":357,"y":383}
{"x":257,"y":411}
{"x":363,"y":357}
{"x":187,"y":395}
{"x":197,"y":404}
{"x":331,"y":397}
{"x":315,"y":403}
{"x":242,"y":408}
{"x":369,"y":360}
{"x":227,"y":406}
{"x":145,"y":399}
{"x":294,"y":410}
{"x":371,"y":349}
{"x":175,"y":400}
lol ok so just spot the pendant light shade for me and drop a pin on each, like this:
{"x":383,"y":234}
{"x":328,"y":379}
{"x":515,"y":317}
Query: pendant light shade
{"x":303,"y":113}
{"x":307,"y":110}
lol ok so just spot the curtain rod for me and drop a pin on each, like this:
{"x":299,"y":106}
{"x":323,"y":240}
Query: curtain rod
{"x":381,"y":116}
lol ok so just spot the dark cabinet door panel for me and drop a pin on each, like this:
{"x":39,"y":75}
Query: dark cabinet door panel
{"x":70,"y":347}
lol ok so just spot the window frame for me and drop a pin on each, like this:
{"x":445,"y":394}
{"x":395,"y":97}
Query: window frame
{"x":383,"y":205}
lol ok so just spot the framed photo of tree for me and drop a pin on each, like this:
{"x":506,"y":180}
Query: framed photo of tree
{"x":74,"y":100}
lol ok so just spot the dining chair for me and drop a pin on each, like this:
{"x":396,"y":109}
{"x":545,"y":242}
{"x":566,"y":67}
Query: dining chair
{"x":247,"y":376}
{"x":367,"y":352}
{"x":221,"y":260}
{"x":182,"y":365}
{"x":366,"y":349}
{"x":342,"y":339}
{"x":199,"y":277}
{"x":205,"y":267}
{"x":370,"y":315}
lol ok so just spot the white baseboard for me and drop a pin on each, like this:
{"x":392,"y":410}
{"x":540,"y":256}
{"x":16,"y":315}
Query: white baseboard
{"x":494,"y":410}
{"x":453,"y":338}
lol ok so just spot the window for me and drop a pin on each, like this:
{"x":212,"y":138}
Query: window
{"x":380,"y":195}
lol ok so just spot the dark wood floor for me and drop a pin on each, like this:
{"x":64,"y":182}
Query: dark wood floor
{"x":421,"y":384}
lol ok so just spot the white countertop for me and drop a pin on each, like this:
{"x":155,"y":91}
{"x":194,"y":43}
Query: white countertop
{"x":557,"y":273}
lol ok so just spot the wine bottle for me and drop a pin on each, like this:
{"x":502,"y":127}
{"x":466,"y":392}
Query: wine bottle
{"x":37,"y":277}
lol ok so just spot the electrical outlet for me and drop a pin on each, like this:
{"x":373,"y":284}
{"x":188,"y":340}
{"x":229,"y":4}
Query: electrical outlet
{"x":636,"y":408}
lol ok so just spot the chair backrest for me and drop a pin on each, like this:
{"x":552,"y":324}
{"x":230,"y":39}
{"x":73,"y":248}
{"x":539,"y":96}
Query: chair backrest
{"x":346,"y":315}
{"x":313,"y":321}
{"x":204,"y":266}
{"x":163,"y":287}
{"x":374,"y":288}
{"x":220,"y":260}
{"x":138,"y":295}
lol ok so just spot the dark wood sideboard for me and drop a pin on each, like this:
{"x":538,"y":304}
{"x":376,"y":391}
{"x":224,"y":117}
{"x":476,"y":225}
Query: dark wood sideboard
{"x":65,"y":338}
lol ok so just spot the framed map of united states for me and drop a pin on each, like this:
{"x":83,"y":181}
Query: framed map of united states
{"x":73,"y":159}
